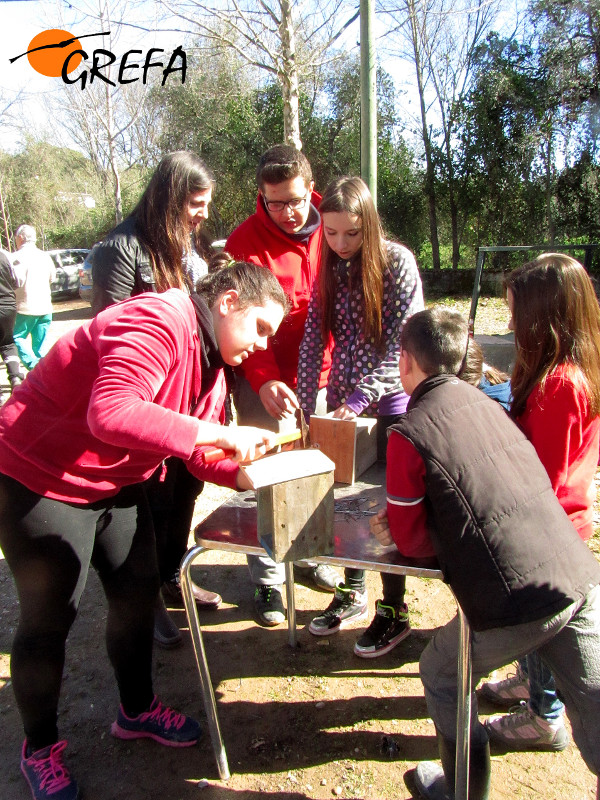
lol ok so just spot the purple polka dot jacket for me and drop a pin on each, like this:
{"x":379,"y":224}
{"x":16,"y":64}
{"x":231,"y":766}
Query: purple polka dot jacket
{"x":364,"y":376}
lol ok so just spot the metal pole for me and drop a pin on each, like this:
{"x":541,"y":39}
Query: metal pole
{"x":463,"y":716}
{"x":208,"y":695}
{"x":368,"y":97}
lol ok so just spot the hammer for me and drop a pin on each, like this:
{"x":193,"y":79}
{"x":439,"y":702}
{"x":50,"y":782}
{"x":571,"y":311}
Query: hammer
{"x":300,"y":434}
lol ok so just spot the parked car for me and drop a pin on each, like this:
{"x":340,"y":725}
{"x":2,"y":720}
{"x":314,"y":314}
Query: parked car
{"x":67,"y":271}
{"x":85,"y":276}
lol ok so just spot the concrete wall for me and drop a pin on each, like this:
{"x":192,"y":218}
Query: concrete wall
{"x":460,"y":282}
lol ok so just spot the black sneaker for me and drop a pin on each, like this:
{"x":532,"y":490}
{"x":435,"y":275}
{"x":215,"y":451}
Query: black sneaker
{"x":269,"y":605}
{"x":389,"y":627}
{"x":347,"y":606}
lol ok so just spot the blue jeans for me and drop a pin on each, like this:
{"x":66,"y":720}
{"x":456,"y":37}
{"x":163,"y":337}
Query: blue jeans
{"x":569,"y":643}
{"x":543,"y":699}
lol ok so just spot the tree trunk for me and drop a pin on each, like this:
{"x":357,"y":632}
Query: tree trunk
{"x":288,"y":78}
{"x":112,"y":157}
{"x":429,"y":169}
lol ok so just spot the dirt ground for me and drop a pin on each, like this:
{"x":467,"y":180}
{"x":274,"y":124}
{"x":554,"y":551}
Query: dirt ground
{"x":309,"y":722}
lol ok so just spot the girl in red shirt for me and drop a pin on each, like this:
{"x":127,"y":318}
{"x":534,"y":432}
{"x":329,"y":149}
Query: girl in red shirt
{"x":556,"y":401}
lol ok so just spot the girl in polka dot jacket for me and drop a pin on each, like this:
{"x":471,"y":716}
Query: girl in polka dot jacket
{"x":367,"y":289}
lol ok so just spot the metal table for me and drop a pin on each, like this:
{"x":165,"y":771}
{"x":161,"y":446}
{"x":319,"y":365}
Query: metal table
{"x":232,"y":527}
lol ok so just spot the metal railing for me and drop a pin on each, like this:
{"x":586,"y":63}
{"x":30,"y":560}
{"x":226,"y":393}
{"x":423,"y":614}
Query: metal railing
{"x":588,"y":250}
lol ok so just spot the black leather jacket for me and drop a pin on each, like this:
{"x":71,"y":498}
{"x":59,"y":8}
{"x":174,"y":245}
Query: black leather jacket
{"x":121,"y":267}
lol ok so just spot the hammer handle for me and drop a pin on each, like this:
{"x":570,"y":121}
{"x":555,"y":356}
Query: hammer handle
{"x":216,"y":454}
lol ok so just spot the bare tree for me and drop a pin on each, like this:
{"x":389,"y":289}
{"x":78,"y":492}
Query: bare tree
{"x":271,"y":35}
{"x":439,"y":37}
{"x":110,"y":122}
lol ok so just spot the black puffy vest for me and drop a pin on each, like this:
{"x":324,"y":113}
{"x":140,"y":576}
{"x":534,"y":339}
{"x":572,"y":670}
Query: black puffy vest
{"x":504,"y":543}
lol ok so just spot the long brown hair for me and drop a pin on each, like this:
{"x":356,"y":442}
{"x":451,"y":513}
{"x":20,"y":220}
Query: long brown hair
{"x":352,"y":195}
{"x":160,"y":215}
{"x":556,"y":320}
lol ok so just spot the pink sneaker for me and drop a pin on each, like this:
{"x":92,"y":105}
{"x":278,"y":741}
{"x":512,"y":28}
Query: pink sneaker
{"x":159,"y":723}
{"x":47,"y":775}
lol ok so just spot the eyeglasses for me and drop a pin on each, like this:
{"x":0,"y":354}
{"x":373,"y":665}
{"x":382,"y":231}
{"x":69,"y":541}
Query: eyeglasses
{"x":278,"y":205}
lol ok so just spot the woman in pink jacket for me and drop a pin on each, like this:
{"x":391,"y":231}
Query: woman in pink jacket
{"x":142,"y":381}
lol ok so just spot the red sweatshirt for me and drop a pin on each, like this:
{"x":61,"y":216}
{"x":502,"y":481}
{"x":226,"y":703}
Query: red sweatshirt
{"x":295,"y":264}
{"x":110,"y":401}
{"x":557,"y":422}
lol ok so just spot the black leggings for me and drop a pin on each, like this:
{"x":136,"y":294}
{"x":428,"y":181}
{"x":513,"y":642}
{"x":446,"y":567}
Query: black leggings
{"x":172,"y":493}
{"x":49,"y":546}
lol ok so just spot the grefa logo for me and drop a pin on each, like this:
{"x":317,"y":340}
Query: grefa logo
{"x":57,"y":53}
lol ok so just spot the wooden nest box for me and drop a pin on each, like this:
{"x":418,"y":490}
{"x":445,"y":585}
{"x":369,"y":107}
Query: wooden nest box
{"x":294,"y":494}
{"x":350,"y":443}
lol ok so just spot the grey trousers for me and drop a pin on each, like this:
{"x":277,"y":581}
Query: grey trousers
{"x":569,"y":644}
{"x":250,"y":411}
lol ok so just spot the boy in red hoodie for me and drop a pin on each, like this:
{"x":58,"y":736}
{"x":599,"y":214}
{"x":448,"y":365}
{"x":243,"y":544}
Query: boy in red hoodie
{"x":284,"y":234}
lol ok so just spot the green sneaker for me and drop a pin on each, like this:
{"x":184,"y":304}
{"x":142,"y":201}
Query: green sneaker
{"x":389,"y":627}
{"x":269,"y":605}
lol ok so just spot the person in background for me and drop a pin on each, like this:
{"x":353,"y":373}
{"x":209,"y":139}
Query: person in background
{"x":284,"y":234}
{"x":491,"y":381}
{"x":34,"y":272}
{"x":141,"y":381}
{"x":556,"y":402}
{"x":8,"y":314}
{"x":367,"y":288}
{"x":152,"y":250}
{"x":465,"y":485}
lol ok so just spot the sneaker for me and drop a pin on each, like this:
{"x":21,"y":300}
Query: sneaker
{"x":166,"y":633}
{"x":159,"y":723}
{"x":47,"y":775}
{"x":323,"y":576}
{"x":348,"y":605}
{"x":171,"y":592}
{"x":269,"y":605}
{"x":431,"y":781}
{"x":389,"y":627}
{"x":524,"y":730}
{"x":508,"y":692}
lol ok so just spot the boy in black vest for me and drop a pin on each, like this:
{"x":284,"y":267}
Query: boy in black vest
{"x":465,"y":485}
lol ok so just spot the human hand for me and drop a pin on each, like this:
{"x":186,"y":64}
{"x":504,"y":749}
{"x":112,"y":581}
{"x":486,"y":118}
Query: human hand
{"x":380,"y":528}
{"x":278,"y":399}
{"x":246,"y":442}
{"x":343,"y":412}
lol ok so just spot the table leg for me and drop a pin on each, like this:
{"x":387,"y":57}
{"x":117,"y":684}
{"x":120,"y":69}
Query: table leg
{"x":463,"y":716}
{"x":291,"y":603}
{"x":208,"y":694}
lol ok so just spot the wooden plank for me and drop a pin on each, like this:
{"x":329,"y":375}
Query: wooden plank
{"x":295,"y":518}
{"x":365,"y":448}
{"x":286,"y":466}
{"x":350,"y":443}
